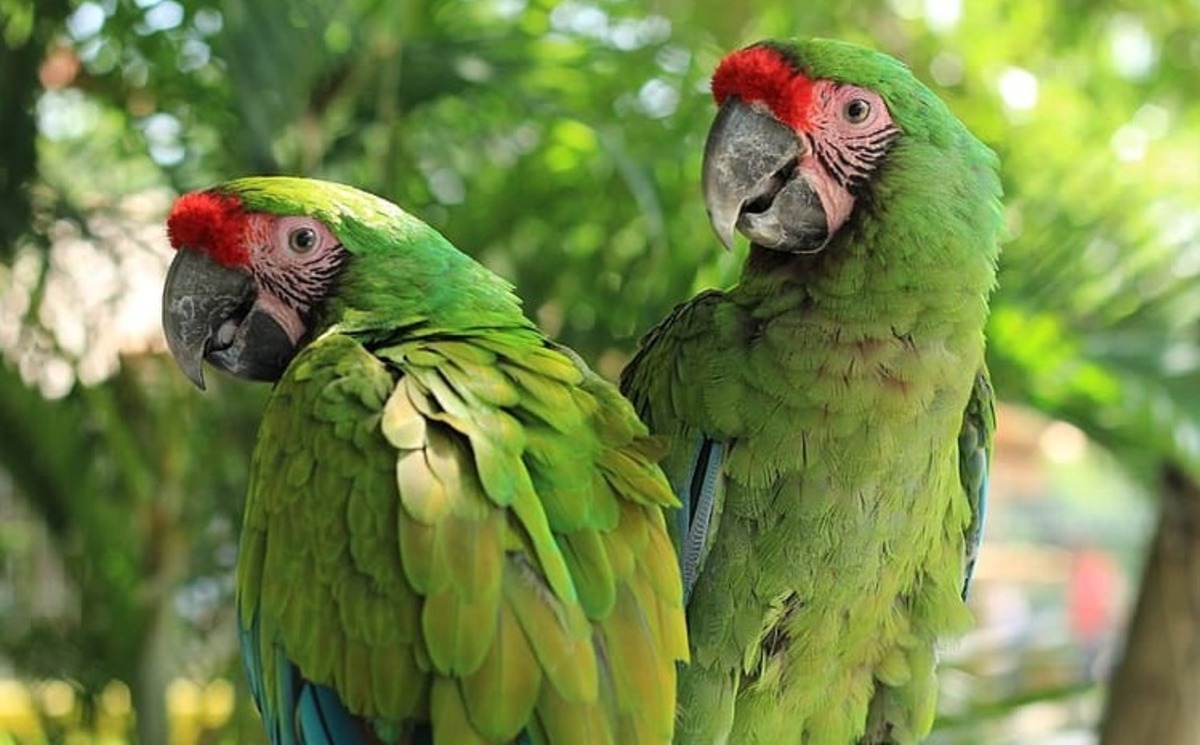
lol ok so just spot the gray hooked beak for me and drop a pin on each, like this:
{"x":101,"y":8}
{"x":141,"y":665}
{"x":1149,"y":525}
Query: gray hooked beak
{"x":752,"y":182}
{"x":209,"y":313}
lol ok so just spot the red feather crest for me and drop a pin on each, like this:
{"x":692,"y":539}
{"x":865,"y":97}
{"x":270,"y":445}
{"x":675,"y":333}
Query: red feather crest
{"x":762,"y":73}
{"x":212,"y":223}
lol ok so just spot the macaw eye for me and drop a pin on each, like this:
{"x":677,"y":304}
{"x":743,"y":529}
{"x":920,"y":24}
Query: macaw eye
{"x":857,"y":110}
{"x":302,"y":240}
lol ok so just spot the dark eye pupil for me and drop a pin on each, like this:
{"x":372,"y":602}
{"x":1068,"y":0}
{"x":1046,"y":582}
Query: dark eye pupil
{"x":857,"y":110}
{"x":304,"y":239}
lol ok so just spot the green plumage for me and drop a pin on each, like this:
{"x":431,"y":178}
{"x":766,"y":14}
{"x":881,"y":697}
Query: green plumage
{"x":840,"y":382}
{"x":450,"y":519}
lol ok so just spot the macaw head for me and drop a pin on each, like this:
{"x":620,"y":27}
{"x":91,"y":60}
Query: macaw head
{"x":813,"y":136}
{"x":264,"y":264}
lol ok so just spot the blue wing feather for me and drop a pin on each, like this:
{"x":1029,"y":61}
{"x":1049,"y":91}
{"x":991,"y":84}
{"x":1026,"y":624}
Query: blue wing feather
{"x":306,"y":713}
{"x":302,"y":712}
{"x":323,"y":720}
{"x":699,"y":495}
{"x":274,"y":712}
{"x":974,"y":466}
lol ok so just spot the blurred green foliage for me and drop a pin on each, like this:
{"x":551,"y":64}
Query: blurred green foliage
{"x":560,"y":144}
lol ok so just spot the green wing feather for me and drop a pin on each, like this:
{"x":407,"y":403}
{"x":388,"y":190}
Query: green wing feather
{"x":465,"y":530}
{"x":659,"y":381}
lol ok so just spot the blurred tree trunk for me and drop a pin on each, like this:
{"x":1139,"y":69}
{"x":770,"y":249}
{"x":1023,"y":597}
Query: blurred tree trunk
{"x":1155,"y":692}
{"x":27,"y":34}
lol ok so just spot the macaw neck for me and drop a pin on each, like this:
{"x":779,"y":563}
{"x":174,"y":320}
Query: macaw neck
{"x":442,"y":289}
{"x":875,"y":290}
{"x":774,"y":280}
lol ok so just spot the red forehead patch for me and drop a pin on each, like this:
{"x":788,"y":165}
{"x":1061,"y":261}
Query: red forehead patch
{"x":212,"y":223}
{"x":762,"y":73}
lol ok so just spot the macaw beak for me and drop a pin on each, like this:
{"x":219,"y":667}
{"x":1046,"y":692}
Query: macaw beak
{"x":209,"y":313}
{"x":752,"y":182}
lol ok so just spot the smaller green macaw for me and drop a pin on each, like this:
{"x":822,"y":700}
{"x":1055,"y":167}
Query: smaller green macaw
{"x":454,"y":529}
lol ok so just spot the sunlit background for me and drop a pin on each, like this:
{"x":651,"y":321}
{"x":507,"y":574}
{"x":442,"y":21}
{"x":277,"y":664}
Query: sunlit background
{"x":560,"y":144}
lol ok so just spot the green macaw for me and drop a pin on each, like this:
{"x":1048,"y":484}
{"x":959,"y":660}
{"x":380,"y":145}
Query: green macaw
{"x":454,"y":530}
{"x":830,"y":417}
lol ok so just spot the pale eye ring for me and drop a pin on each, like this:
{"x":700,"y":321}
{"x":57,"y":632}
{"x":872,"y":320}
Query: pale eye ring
{"x":303,"y":240}
{"x":857,"y":110}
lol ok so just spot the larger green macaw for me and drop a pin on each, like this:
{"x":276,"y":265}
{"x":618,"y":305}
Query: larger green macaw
{"x":454,"y":529}
{"x":830,"y":416}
